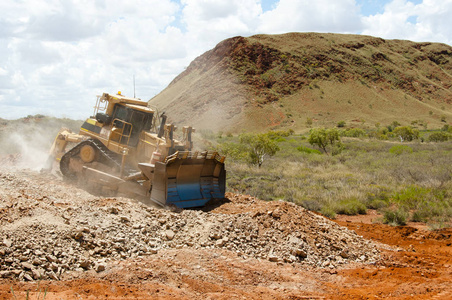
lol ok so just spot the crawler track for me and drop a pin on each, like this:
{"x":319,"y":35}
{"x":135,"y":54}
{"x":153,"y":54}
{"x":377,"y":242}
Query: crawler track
{"x":104,"y":156}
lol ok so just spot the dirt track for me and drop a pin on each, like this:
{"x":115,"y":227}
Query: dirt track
{"x":413,"y":263}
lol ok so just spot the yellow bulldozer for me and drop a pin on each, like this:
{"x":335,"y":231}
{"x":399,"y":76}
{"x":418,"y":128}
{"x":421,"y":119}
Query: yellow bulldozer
{"x":127,"y":149}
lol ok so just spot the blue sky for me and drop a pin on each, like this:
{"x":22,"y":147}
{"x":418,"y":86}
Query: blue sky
{"x":57,"y":55}
{"x":371,"y":7}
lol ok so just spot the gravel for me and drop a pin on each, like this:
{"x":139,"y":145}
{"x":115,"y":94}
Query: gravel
{"x":50,"y":229}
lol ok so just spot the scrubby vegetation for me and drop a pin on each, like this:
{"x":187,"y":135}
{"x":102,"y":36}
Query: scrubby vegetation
{"x":405,"y":181}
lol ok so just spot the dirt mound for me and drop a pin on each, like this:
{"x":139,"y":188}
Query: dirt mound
{"x":51,"y":230}
{"x":61,"y":242}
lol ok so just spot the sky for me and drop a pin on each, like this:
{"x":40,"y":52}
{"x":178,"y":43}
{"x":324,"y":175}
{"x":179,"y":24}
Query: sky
{"x":57,"y":55}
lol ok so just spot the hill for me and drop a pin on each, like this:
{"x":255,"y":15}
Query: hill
{"x":280,"y":81}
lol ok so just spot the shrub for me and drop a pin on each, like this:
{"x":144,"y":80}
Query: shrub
{"x":341,"y":124}
{"x":418,"y":216}
{"x":276,"y":135}
{"x":308,"y":150}
{"x":406,"y":133}
{"x":395,"y":217}
{"x":353,"y":132}
{"x":395,"y":124}
{"x":328,"y":212}
{"x":324,"y":138}
{"x":381,"y":133}
{"x":337,"y":149}
{"x":411,"y":196}
{"x":311,"y":204}
{"x":400,"y":149}
{"x":350,"y":207}
{"x":377,"y":204}
{"x":439,"y":137}
{"x":233,"y":150}
{"x":258,"y":146}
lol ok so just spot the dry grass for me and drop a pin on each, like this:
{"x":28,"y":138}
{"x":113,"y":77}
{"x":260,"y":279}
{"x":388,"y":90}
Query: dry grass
{"x":366,"y":174}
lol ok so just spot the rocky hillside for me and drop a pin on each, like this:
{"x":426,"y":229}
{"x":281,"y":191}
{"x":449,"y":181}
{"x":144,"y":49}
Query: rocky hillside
{"x":280,"y":81}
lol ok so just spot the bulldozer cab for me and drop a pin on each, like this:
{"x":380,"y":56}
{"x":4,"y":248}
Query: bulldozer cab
{"x":128,"y":122}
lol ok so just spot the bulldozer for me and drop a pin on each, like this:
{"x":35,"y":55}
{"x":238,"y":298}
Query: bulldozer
{"x":125,"y":148}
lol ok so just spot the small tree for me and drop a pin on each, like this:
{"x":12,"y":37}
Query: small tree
{"x":324,"y":138}
{"x":406,"y":133}
{"x":395,"y":124}
{"x":258,"y":146}
{"x":439,"y":137}
{"x":341,"y":124}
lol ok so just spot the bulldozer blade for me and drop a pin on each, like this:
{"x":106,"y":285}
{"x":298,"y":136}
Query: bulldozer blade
{"x":188,"y":181}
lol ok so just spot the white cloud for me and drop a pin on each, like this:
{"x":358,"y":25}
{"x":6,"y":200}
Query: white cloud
{"x":33,"y":52}
{"x":305,"y":15}
{"x":56,"y":55}
{"x":432,"y":21}
{"x":63,"y":53}
{"x":228,"y":19}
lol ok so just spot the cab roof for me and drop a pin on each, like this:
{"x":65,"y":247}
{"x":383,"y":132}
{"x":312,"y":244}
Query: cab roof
{"x":133,"y":103}
{"x":139,"y":107}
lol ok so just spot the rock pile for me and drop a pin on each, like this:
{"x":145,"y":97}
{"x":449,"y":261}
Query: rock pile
{"x":50,"y":229}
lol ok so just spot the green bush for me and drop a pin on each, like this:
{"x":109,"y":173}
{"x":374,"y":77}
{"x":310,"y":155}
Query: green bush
{"x":406,"y":133}
{"x":341,"y":124}
{"x":395,"y":124}
{"x":400,"y":149}
{"x":411,"y":197}
{"x":354,"y":132}
{"x":337,"y":149}
{"x":307,"y":150}
{"x":439,"y":137}
{"x":377,"y":204}
{"x":312,"y":205}
{"x":275,"y":135}
{"x":233,"y":150}
{"x":328,"y":212}
{"x":259,"y":146}
{"x":418,"y":216}
{"x":433,"y":209}
{"x":350,"y":206}
{"x":395,"y":217}
{"x":325,"y":138}
{"x":381,"y":133}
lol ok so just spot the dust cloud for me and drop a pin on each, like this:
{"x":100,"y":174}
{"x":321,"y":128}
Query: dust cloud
{"x":25,"y":143}
{"x":33,"y":150}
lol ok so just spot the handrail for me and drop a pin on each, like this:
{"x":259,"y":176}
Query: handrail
{"x":99,"y":101}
